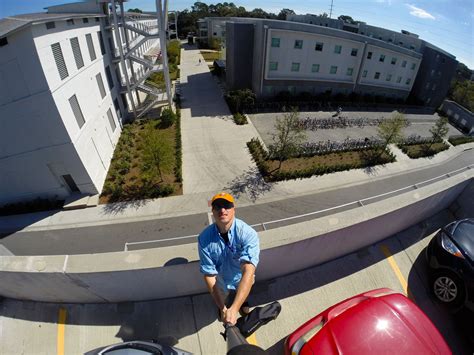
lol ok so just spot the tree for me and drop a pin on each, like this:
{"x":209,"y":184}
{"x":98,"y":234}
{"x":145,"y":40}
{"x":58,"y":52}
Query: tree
{"x":137,"y":10}
{"x":439,"y":130}
{"x":156,"y":155}
{"x":288,"y":138}
{"x":283,"y":13}
{"x":390,"y":131}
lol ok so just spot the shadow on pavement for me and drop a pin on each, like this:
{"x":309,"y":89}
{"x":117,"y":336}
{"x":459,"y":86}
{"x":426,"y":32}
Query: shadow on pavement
{"x":251,"y":183}
{"x":15,"y":223}
{"x":118,"y":207}
{"x":453,"y":325}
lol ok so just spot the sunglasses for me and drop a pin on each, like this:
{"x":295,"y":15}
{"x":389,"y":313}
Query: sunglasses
{"x":222,"y":204}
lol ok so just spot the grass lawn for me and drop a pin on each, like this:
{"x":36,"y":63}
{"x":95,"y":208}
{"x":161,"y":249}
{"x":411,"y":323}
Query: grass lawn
{"x":129,"y":177}
{"x":415,"y":151}
{"x":211,"y":56}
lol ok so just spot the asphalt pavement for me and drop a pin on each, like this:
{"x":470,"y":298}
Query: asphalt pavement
{"x":169,"y":231}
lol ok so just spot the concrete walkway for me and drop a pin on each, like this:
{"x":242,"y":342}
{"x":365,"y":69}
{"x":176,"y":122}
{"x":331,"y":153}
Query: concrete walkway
{"x":214,"y":147}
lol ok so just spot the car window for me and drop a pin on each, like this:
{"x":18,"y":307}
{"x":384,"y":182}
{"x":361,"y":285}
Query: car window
{"x":464,"y":237}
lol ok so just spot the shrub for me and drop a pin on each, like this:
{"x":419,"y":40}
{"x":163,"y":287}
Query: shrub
{"x":168,"y":117}
{"x":240,"y":119}
{"x":456,"y":140}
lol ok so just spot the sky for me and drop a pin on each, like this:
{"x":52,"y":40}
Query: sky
{"x":447,"y":24}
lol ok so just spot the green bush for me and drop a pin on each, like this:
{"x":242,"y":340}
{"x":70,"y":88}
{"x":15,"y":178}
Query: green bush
{"x":415,"y":151}
{"x":456,"y":140}
{"x":240,"y":119}
{"x":179,"y":154}
{"x":168,"y":117}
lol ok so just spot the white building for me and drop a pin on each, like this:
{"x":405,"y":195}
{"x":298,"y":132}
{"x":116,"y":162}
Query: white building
{"x":63,"y":95}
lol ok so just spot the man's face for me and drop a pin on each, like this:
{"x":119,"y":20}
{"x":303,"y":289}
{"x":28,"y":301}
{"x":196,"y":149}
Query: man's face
{"x":223,"y":211}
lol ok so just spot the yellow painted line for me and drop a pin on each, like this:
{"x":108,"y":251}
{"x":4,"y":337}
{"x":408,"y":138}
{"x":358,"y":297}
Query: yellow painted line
{"x":396,"y":270}
{"x":61,"y":328}
{"x":252,"y":339}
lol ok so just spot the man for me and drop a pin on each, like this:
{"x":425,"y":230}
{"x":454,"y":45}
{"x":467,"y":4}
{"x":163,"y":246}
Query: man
{"x":229,"y":253}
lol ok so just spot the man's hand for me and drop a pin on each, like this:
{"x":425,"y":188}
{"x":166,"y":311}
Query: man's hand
{"x":231,"y":316}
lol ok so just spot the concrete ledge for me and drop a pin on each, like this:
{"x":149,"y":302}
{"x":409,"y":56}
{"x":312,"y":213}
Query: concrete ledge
{"x":173,"y":271}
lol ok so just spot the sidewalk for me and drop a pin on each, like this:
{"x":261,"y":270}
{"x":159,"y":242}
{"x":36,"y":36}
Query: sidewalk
{"x":214,"y":147}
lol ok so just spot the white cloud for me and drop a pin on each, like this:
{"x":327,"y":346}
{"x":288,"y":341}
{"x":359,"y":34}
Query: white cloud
{"x":417,"y":12}
{"x":388,"y":2}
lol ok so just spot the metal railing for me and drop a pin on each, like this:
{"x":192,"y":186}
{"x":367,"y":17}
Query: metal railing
{"x":357,"y":203}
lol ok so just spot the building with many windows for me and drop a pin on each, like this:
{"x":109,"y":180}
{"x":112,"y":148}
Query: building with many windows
{"x":315,"y":55}
{"x":68,"y":79}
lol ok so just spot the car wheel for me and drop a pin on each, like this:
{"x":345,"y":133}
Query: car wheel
{"x":448,"y":288}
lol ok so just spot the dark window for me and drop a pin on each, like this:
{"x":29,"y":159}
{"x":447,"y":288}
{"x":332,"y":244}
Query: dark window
{"x":90,"y":45}
{"x":354,"y":52}
{"x":108,"y":75}
{"x":96,"y":19}
{"x":3,"y":41}
{"x":369,"y":55}
{"x":111,"y":120}
{"x":382,"y":58}
{"x":59,"y":59}
{"x":70,"y":22}
{"x":101,"y":42}
{"x":50,"y":25}
{"x":319,"y":46}
{"x":463,"y":237}
{"x":100,"y":84}
{"x":70,"y":183}
{"x":76,"y":109}
{"x":76,"y":50}
{"x":85,"y":20}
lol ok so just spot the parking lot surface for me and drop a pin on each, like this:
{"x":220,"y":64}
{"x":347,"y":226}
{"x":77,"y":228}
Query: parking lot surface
{"x":419,"y":125}
{"x":190,"y":322}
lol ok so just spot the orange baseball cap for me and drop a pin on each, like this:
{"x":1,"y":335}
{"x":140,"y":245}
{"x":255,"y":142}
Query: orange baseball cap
{"x":223,"y":196}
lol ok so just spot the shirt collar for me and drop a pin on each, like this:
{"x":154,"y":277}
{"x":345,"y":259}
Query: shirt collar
{"x":230,"y":231}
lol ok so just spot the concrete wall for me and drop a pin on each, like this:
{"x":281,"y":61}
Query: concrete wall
{"x":157,"y":273}
{"x":239,"y":57}
{"x":459,"y":116}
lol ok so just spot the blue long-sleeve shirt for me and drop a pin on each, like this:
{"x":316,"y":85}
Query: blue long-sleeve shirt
{"x":223,"y":260}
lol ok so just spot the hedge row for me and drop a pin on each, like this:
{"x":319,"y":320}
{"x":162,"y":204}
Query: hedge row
{"x":456,"y":140}
{"x":178,"y":170}
{"x":415,"y":151}
{"x":260,"y":156}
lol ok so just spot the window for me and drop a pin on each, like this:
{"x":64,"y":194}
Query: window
{"x":354,"y":52}
{"x":315,"y":68}
{"x":389,"y":77}
{"x":111,"y":120}
{"x":369,"y":55}
{"x":413,"y":66}
{"x":408,"y":81}
{"x":349,"y":71}
{"x":364,"y":74}
{"x":275,"y":42}
{"x":3,"y":41}
{"x":50,"y":25}
{"x":76,"y":109}
{"x":295,"y":66}
{"x":59,"y":59}
{"x":427,"y":86}
{"x":100,"y":84}
{"x":377,"y":75}
{"x":117,"y":107}
{"x":85,"y":20}
{"x":70,"y":22}
{"x":76,"y":50}
{"x":412,"y":47}
{"x":101,"y":42}
{"x":428,"y":100}
{"x":96,"y":19}
{"x":298,"y":44}
{"x":90,"y":45}
{"x":333,"y":69}
{"x":404,"y":64}
{"x":434,"y":87}
{"x":399,"y":79}
{"x":382,"y":58}
{"x":337,"y":49}
{"x":273,"y":66}
{"x":319,"y":46}
{"x":108,"y":75}
{"x":394,"y":61}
